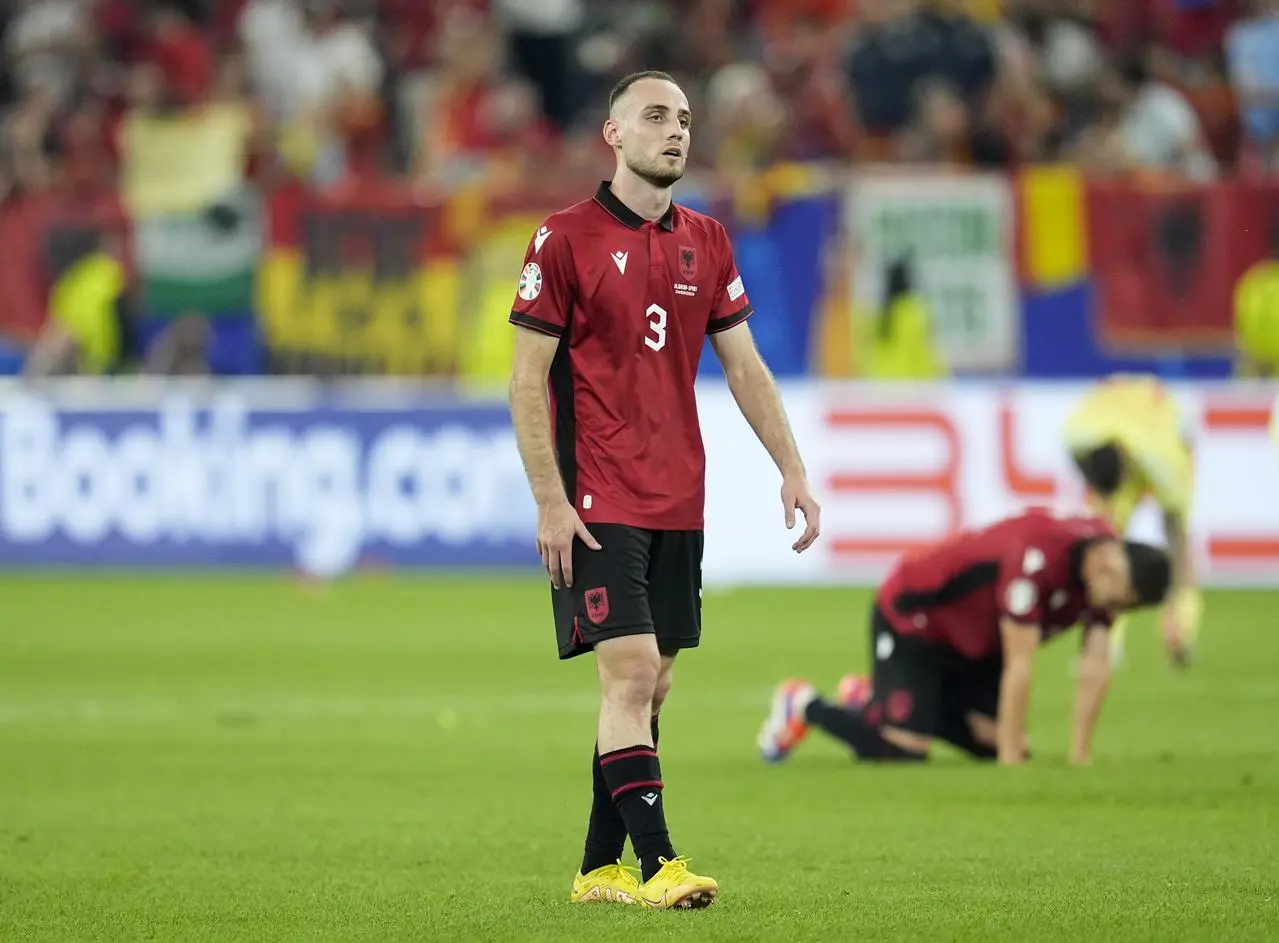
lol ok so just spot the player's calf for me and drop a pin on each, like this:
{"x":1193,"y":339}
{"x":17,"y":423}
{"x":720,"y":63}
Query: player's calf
{"x":797,"y":706}
{"x":628,"y":669}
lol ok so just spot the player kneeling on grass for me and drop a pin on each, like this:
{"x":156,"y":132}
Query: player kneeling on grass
{"x":954,"y":631}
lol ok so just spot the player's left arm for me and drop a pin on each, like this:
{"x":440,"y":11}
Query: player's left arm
{"x":757,"y":396}
{"x":1090,"y":691}
{"x":1020,"y":641}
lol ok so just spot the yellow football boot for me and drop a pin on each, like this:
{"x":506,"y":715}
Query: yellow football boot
{"x":611,"y":884}
{"x":676,"y":887}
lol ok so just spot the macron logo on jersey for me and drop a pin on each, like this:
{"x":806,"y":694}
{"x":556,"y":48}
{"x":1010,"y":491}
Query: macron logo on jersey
{"x":540,"y":237}
{"x":619,"y":259}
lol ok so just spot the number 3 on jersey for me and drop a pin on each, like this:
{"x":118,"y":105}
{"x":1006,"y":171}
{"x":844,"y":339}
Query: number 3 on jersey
{"x":655,"y":337}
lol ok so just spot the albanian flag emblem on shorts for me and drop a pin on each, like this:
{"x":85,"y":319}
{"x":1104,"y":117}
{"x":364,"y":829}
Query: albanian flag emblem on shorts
{"x":597,"y":605}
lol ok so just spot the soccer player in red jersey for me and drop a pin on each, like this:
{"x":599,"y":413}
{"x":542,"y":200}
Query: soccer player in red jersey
{"x":616,"y":298}
{"x":953,"y":635}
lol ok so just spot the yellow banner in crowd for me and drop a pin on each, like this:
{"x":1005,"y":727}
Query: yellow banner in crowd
{"x":184,"y":163}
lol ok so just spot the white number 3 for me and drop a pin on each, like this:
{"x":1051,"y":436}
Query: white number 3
{"x":656,"y":315}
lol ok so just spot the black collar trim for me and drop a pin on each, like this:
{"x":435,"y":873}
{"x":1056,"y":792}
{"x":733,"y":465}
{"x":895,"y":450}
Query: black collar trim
{"x":627,"y":216}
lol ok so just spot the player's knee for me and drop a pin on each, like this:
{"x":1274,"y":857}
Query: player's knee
{"x":629,"y":670}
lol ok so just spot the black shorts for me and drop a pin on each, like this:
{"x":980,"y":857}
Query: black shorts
{"x":640,"y":582}
{"x":918,"y":685}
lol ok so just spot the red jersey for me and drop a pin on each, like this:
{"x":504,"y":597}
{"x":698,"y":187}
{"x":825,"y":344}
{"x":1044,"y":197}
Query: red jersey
{"x":1026,"y":567}
{"x":631,"y":302}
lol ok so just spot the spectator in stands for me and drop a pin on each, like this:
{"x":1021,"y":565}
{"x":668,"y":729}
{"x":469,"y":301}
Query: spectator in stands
{"x":802,"y":60}
{"x":1160,"y":131}
{"x":901,"y":45}
{"x":900,"y":345}
{"x":543,"y":34}
{"x":1098,"y":148}
{"x":183,"y":54}
{"x":943,"y":131}
{"x":1252,"y":48}
{"x":47,"y":41}
{"x":320,"y":76}
{"x":744,"y":119}
{"x":455,"y":136}
{"x":91,"y":328}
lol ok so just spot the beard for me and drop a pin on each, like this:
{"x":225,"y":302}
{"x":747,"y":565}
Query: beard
{"x":656,"y":172}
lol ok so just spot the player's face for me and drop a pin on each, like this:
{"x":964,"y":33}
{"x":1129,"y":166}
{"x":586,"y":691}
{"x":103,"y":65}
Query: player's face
{"x":651,"y":129}
{"x":1110,"y":578}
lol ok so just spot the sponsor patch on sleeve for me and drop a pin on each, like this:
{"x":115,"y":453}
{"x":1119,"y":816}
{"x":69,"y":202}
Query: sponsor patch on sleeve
{"x":1020,"y":597}
{"x":736,"y":289}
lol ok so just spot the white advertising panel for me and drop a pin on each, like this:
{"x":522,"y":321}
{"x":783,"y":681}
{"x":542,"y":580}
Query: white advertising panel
{"x":897,"y":467}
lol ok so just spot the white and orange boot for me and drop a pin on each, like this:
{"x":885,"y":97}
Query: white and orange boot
{"x":785,"y":728}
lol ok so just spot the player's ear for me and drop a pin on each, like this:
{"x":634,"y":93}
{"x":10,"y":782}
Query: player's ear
{"x":612,"y":133}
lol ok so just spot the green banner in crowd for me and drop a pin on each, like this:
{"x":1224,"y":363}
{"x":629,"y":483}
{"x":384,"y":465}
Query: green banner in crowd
{"x":200,"y":261}
{"x":959,"y":235}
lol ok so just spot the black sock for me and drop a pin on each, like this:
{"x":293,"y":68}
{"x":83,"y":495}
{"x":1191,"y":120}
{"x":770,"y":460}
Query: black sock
{"x":606,"y":833}
{"x":848,"y":725}
{"x":634,"y":780}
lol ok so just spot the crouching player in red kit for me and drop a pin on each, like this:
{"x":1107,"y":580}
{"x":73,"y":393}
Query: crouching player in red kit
{"x":953,"y":636}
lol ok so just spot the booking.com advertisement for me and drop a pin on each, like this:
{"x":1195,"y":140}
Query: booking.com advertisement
{"x":272,"y":478}
{"x":284,"y":474}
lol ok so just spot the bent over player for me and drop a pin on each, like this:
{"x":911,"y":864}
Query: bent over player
{"x":1127,"y":440}
{"x":953,"y":636}
{"x":616,"y":298}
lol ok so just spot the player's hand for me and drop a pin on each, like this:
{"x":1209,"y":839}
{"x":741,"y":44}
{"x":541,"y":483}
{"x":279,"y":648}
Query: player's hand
{"x":1175,"y":636}
{"x":796,"y":496}
{"x":557,"y":525}
{"x":1012,"y":757}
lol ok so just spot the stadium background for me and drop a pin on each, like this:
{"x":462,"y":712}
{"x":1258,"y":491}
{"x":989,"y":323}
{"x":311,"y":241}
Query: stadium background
{"x":320,"y":211}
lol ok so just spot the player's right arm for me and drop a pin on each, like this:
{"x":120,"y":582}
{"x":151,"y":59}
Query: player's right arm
{"x":1090,"y":691}
{"x":1167,"y":464}
{"x":1020,"y":641}
{"x":542,"y":306}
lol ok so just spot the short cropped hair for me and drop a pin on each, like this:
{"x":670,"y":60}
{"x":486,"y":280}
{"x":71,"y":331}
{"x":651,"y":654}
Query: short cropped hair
{"x":627,"y":81}
{"x":1102,"y":468}
{"x":1151,"y":570}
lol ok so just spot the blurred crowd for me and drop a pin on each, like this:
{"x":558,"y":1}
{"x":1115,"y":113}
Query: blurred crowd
{"x":441,"y":91}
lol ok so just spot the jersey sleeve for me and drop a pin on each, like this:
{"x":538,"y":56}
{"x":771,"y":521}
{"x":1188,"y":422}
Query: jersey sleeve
{"x":544,"y":298}
{"x":731,"y":306}
{"x":1020,"y":593}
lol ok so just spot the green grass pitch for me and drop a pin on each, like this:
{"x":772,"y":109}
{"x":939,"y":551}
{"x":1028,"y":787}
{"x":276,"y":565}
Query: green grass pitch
{"x":243,"y":758}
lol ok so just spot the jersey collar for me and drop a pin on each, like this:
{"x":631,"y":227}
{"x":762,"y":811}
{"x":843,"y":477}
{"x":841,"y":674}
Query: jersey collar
{"x":627,"y":216}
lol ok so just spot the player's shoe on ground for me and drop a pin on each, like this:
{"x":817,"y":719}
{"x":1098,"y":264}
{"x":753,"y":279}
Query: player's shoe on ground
{"x":611,"y":884}
{"x":676,"y":887}
{"x":854,"y":691}
{"x":785,"y":728}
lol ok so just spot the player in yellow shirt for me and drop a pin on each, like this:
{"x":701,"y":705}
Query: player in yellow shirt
{"x":1127,"y":440}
